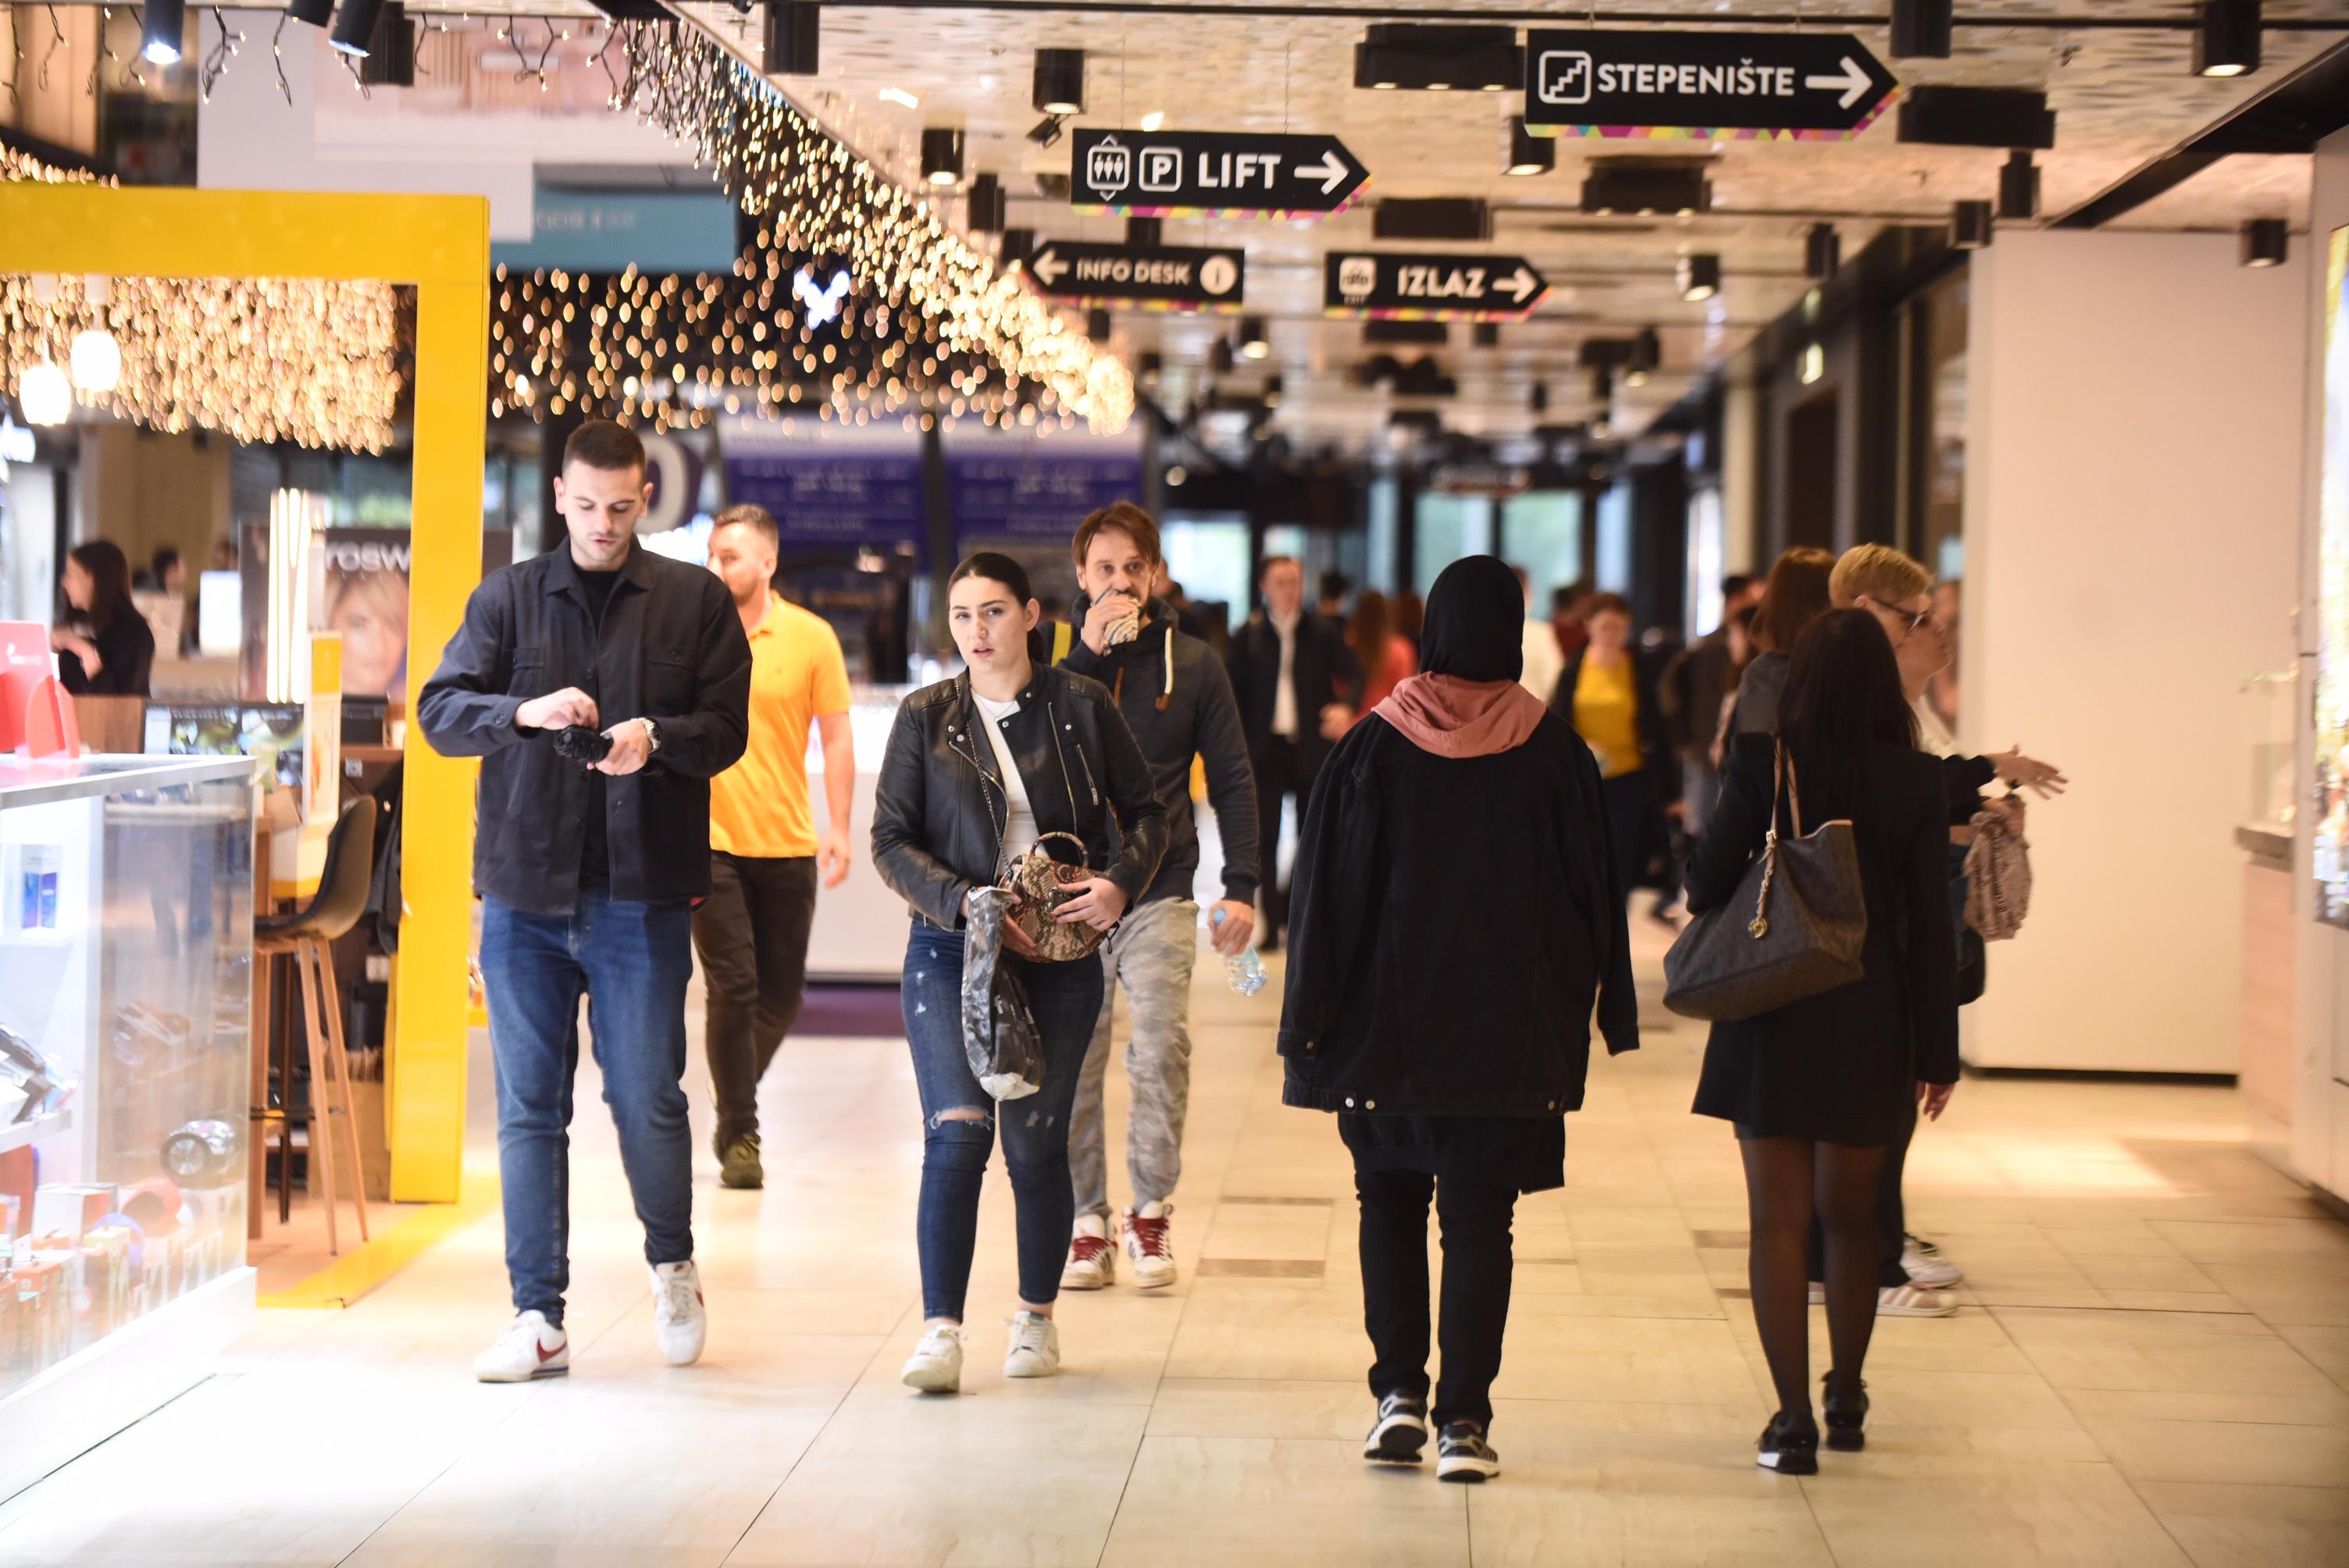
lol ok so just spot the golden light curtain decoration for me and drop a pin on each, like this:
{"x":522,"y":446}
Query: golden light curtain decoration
{"x":1005,"y":350}
{"x":257,"y":359}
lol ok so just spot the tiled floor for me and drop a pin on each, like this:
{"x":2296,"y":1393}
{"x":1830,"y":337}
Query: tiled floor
{"x":2152,"y":1368}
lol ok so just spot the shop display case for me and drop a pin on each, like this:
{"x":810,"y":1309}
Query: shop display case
{"x":126,"y":958}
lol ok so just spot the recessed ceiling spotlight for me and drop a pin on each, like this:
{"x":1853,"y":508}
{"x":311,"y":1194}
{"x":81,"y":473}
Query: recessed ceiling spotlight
{"x":900,"y":96}
{"x":2266,"y":243}
{"x":317,"y":13}
{"x":1254,"y":343}
{"x":1154,"y":119}
{"x":1438,"y":58}
{"x":2018,"y":188}
{"x":1921,"y":29}
{"x":2227,"y":38}
{"x":794,"y":40}
{"x":1272,"y":391}
{"x":355,"y":27}
{"x":941,"y":155}
{"x":165,"y":31}
{"x":1698,"y":277}
{"x":1097,"y":323}
{"x":1522,"y":152}
{"x":1059,"y":81}
{"x":1646,"y":185}
{"x":1048,"y":130}
{"x":1971,"y":226}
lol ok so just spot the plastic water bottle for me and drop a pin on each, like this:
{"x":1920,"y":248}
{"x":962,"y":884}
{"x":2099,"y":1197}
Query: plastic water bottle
{"x":1245,"y":971}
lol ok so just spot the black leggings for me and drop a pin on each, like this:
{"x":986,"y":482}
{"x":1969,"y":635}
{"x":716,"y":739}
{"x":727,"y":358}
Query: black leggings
{"x":1478,"y":1265}
{"x":1785,"y":1180}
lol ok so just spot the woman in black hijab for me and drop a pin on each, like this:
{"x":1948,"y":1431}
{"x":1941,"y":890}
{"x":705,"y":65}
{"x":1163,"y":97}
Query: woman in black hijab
{"x":1457,"y":917}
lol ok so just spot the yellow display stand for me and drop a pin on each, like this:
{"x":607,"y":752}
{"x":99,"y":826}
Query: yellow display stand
{"x":440,"y":245}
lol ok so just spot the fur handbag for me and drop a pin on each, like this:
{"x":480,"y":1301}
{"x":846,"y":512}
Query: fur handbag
{"x":1998,"y":873}
{"x":1038,"y":886}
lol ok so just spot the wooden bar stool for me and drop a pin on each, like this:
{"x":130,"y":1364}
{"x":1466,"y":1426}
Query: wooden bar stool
{"x":305,"y":935}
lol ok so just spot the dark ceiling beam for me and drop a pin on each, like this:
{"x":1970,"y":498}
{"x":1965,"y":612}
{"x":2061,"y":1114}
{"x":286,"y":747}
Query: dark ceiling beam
{"x":2155,"y":22}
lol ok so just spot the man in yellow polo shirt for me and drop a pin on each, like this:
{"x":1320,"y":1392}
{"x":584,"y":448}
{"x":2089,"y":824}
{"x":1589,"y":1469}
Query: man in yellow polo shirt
{"x":764,"y":853}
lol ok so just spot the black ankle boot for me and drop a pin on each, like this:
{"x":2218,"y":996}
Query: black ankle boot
{"x":1790,"y":1445}
{"x":1846,"y":1413}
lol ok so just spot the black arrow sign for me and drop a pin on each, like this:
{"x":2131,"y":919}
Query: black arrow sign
{"x":1178,"y":172}
{"x":1162,"y":277}
{"x":1811,"y":85}
{"x":1417,"y":286}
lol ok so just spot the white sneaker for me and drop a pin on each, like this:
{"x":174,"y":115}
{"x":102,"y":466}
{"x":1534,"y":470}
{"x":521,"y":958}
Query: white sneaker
{"x":1925,"y":1265}
{"x":1035,"y":1347}
{"x":681,"y":1323}
{"x":935,"y":1365}
{"x":528,"y":1347}
{"x":1148,"y":1246}
{"x":1910,"y":1301}
{"x":1093,"y":1262}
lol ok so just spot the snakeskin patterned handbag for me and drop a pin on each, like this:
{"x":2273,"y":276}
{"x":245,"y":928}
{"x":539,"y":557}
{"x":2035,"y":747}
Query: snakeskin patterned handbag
{"x":1039,"y":885}
{"x":1997,"y":873}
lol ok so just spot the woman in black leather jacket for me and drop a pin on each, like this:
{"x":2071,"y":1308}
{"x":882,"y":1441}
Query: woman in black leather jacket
{"x":978,"y":769}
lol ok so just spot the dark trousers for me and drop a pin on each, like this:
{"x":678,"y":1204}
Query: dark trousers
{"x":1478,"y":1265}
{"x":1891,"y":1219}
{"x":751,"y":934}
{"x":1283,"y":768}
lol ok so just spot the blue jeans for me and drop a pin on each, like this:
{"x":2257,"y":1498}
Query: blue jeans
{"x":631,"y":960}
{"x":1065,"y":998}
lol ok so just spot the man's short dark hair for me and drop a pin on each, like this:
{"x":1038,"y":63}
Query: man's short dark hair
{"x":756,"y":517}
{"x":1334,"y":585}
{"x":1270,"y":562}
{"x":1125,"y":517}
{"x":602,"y":444}
{"x":1734,"y":584}
{"x":165,"y":558}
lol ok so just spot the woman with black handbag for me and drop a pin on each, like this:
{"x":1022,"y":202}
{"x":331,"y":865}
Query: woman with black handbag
{"x":1457,"y":918}
{"x":979,"y":769}
{"x":1820,"y":1088}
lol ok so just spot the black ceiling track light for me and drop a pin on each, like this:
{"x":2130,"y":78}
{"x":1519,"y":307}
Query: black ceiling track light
{"x":1921,"y":29}
{"x":1145,"y":233}
{"x":1976,"y":117}
{"x":1645,"y":185}
{"x":391,"y":54}
{"x":1254,"y":342}
{"x":2018,"y":188}
{"x":1523,"y":152}
{"x":1220,"y":357}
{"x":983,"y":205}
{"x":1485,"y":334}
{"x":317,"y":13}
{"x":1151,"y":362}
{"x":1602,"y":383}
{"x":1097,"y":323}
{"x":1059,"y":86}
{"x":1018,"y":245}
{"x":1538,"y":401}
{"x":354,"y":29}
{"x":1698,"y":277}
{"x":941,"y":155}
{"x":163,"y":31}
{"x":1822,"y":253}
{"x":1432,"y":217}
{"x":1647,"y":350}
{"x":793,"y":44}
{"x":1438,"y":58}
{"x":2266,"y":243}
{"x":1972,"y":225}
{"x":2227,"y":38}
{"x":1274,"y":390}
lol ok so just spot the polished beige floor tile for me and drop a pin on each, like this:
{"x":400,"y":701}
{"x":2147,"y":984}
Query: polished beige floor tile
{"x":1286,"y":1501}
{"x":500,"y":1507}
{"x":2217,"y":1353}
{"x":1883,"y":1507}
{"x":2254,"y":1526}
{"x":2240,"y":1452}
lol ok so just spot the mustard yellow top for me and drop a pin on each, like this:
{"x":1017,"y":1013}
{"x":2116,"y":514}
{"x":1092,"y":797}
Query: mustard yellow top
{"x":1607,"y":716}
{"x":759,"y":808}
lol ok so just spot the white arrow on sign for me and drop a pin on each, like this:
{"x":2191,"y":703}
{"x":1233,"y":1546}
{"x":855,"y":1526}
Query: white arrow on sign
{"x":1048,"y":266}
{"x":1332,"y":174}
{"x":1517,"y":285}
{"x":1854,"y":82}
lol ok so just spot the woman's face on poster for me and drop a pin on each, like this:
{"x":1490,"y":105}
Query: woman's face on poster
{"x":370,"y":611}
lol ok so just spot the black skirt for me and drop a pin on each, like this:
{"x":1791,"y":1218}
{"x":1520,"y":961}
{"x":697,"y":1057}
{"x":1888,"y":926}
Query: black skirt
{"x":1525,"y":1153}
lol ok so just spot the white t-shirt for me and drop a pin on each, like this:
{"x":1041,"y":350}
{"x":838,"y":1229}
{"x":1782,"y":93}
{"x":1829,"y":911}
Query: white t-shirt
{"x":1932,"y":735}
{"x":1019,"y":830}
{"x":1284,"y":689}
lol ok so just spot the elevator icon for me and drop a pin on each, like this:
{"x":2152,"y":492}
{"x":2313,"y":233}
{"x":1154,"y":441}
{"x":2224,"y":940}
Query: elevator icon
{"x":1108,"y":169}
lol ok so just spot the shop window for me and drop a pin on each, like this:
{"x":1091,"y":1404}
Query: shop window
{"x":1541,"y":530}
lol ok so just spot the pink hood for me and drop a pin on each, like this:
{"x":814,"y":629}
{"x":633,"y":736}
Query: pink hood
{"x":1448,"y":716}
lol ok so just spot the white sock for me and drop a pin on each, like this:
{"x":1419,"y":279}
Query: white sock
{"x":1153,"y":1210}
{"x":1093,"y":1225}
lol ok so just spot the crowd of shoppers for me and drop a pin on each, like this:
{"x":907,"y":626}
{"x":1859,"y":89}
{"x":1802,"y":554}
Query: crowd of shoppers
{"x":645,"y":732}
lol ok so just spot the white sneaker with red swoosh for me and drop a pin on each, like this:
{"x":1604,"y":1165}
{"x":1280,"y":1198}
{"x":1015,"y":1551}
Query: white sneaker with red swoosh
{"x":680,"y":1323}
{"x":530,"y":1347}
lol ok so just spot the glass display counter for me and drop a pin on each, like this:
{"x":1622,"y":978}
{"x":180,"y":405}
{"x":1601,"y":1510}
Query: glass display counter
{"x":860,"y":926}
{"x":125,"y":959}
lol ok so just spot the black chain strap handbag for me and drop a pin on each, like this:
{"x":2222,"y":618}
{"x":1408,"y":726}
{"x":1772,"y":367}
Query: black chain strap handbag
{"x":1793,"y":928}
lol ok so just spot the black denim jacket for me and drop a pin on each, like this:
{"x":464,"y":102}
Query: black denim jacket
{"x":670,"y":649}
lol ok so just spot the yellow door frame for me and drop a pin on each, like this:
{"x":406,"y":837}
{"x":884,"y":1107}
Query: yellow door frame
{"x":442,"y":245}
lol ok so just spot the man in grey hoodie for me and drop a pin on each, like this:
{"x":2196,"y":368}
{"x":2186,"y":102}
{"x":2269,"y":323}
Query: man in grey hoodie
{"x":1178,"y":701}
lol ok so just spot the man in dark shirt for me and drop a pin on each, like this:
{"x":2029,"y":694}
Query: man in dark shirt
{"x":587,"y":869}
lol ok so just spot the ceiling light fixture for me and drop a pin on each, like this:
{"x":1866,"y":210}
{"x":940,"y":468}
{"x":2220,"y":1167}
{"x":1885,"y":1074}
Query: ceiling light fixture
{"x":1971,"y":226}
{"x":1485,"y":334}
{"x":1432,"y":217}
{"x":45,"y":395}
{"x":900,"y":96}
{"x":1698,"y":277}
{"x":1821,"y":251}
{"x":941,"y":155}
{"x":1645,"y":185}
{"x":1647,"y":350}
{"x":1097,"y":323}
{"x":1921,"y":29}
{"x":165,"y":31}
{"x":1154,"y":119}
{"x":1059,"y":81}
{"x":1602,"y":383}
{"x":1273,"y":391}
{"x":1017,"y":245}
{"x":1048,"y":130}
{"x":354,"y":30}
{"x":1145,"y":233}
{"x":317,"y":13}
{"x":1538,"y":400}
{"x":390,"y":60}
{"x":1220,"y":357}
{"x":2266,"y":241}
{"x":97,"y":361}
{"x":793,"y":44}
{"x":1945,"y":116}
{"x":1438,"y":58}
{"x":1524,"y":152}
{"x":983,"y":205}
{"x":2227,"y":38}
{"x":1254,"y":343}
{"x":2018,"y":188}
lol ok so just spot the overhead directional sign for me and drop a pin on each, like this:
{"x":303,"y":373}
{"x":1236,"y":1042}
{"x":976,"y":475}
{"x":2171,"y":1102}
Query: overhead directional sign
{"x":1618,"y":83}
{"x":1416,"y":287}
{"x":1177,"y":172}
{"x":1156,"y":277}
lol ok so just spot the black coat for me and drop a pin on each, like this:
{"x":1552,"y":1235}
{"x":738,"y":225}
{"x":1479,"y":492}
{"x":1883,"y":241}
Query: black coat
{"x":1323,"y":668}
{"x":940,"y":810}
{"x":1453,"y":924}
{"x":126,"y":656}
{"x":1842,"y":1066}
{"x":1658,"y":759}
{"x":670,"y":649}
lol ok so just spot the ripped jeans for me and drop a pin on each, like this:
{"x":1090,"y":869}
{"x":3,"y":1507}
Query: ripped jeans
{"x":1065,"y":999}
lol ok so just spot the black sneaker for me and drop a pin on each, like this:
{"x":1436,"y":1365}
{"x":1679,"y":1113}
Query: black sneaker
{"x":1846,"y":1415}
{"x":1399,"y":1433}
{"x":738,"y":1163}
{"x":1790,"y":1445}
{"x":1462,"y":1454}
